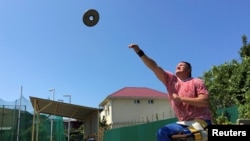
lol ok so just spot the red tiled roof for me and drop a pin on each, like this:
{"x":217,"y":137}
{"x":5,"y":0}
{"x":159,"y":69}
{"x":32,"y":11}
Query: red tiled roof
{"x":139,"y":92}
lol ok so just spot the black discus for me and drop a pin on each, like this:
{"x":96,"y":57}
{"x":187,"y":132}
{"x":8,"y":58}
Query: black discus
{"x":90,"y":17}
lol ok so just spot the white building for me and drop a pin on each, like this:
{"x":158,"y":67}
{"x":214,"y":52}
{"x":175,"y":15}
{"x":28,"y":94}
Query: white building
{"x":135,"y":105}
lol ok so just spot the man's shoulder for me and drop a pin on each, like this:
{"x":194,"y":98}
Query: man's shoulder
{"x":169,"y":72}
{"x":197,"y":80}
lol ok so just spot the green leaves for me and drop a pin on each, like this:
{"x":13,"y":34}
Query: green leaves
{"x":229,"y":83}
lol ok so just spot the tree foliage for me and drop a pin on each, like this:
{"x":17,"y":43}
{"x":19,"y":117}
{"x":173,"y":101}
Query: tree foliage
{"x":229,"y":83}
{"x":103,"y":123}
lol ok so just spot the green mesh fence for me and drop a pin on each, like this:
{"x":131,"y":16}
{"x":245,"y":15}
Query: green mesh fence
{"x":17,"y":126}
{"x":44,"y":128}
{"x":147,"y":131}
{"x":230,"y":112}
{"x":143,"y":132}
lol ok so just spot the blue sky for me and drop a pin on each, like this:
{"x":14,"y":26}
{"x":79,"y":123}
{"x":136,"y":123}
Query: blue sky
{"x":44,"y":44}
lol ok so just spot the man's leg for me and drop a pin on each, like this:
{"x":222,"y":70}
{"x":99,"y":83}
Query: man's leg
{"x":165,"y":133}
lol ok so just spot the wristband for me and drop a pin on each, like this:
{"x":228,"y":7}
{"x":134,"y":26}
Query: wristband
{"x":140,"y":53}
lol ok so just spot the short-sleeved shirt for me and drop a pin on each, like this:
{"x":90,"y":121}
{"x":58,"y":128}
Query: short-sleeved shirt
{"x":190,"y":87}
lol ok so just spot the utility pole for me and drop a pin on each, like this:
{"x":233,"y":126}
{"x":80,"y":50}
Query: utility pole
{"x":69,"y":117}
{"x":52,"y":118}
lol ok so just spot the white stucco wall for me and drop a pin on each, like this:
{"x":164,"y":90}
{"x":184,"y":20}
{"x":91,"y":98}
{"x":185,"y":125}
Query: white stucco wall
{"x":123,"y":111}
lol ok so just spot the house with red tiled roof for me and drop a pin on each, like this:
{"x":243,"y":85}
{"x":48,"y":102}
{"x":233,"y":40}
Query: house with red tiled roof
{"x":135,"y":105}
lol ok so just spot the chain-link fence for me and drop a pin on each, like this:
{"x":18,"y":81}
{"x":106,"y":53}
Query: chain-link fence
{"x":16,"y":125}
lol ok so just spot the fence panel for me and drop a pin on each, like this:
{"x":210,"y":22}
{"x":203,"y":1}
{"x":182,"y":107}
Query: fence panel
{"x":142,"y":132}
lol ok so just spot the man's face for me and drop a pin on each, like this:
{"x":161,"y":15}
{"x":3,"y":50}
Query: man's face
{"x":182,"y":68}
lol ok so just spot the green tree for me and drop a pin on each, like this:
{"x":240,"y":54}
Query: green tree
{"x":243,"y":96}
{"x":229,"y":83}
{"x":103,"y":123}
{"x":243,"y":79}
{"x":218,"y":81}
{"x":245,"y":49}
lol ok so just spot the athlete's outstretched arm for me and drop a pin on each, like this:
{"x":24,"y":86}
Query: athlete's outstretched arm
{"x":150,"y":63}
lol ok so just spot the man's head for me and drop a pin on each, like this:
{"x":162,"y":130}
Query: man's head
{"x":183,"y":70}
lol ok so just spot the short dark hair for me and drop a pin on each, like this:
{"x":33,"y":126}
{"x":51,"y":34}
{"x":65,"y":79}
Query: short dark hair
{"x":189,"y":66}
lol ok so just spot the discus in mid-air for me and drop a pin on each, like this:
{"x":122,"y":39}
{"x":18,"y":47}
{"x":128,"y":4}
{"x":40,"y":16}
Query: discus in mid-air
{"x":90,"y":17}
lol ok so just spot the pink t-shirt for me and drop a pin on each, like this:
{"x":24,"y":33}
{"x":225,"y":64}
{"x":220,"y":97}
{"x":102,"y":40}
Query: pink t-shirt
{"x":187,"y":88}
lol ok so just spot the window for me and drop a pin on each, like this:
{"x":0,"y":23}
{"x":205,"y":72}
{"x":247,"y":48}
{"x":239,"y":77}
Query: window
{"x":137,"y":101}
{"x":150,"y":101}
{"x":107,"y":110}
